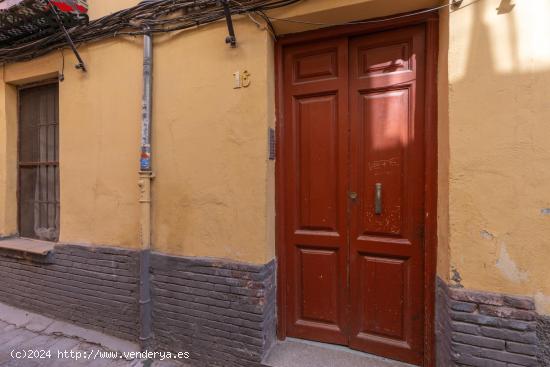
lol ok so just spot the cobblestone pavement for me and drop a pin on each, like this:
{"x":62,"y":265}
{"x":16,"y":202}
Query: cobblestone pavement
{"x":61,"y":344}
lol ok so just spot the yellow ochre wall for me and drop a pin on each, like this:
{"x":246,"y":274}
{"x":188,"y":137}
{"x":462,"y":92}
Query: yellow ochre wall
{"x":498,"y":152}
{"x":213,"y":194}
{"x":99,"y":134}
{"x":209,"y":142}
{"x":8,"y":152}
{"x":210,"y":145}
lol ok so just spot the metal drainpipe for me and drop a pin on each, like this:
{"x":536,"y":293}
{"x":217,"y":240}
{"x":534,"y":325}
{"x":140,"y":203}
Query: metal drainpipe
{"x":145,"y":178}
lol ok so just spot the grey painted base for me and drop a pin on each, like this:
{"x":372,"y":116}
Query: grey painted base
{"x":88,"y":286}
{"x":221,"y":312}
{"x":543,"y":334}
{"x":489,"y":329}
{"x":224,"y":313}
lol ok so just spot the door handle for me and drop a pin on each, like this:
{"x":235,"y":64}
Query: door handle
{"x":378,"y":199}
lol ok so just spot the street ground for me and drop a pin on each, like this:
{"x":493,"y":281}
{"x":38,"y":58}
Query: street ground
{"x":31,"y":340}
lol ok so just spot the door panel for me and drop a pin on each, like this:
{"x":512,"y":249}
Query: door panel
{"x":386,"y":251}
{"x":316,"y":99}
{"x":385,"y":308}
{"x":316,"y":129}
{"x":354,"y":192}
{"x":383,"y":113}
{"x":318,"y":270}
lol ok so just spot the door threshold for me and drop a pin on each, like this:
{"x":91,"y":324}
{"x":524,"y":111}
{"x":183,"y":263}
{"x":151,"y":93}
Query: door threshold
{"x":304,"y":353}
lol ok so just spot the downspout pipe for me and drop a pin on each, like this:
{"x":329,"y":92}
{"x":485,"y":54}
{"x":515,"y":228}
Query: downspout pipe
{"x":145,"y":178}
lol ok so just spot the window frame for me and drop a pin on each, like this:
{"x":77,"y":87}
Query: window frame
{"x":20,"y":164}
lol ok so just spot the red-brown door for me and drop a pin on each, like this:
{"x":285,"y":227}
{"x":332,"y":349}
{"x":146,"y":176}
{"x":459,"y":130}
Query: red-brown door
{"x":317,"y":144}
{"x":386,"y":160}
{"x":354,"y":191}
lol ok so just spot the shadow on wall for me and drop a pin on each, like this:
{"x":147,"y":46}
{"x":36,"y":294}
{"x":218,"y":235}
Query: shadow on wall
{"x":499,"y":78}
{"x":499,"y":108}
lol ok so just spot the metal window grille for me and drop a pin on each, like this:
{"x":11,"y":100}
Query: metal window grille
{"x":39,"y":162}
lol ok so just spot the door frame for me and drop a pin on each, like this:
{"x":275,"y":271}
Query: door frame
{"x":431,"y":22}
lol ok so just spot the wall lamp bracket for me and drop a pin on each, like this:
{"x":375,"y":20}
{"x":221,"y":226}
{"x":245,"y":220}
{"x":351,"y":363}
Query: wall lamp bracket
{"x":81,"y":65}
{"x":231,"y":39}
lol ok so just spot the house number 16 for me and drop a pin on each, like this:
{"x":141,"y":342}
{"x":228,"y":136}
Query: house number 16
{"x":242,"y":79}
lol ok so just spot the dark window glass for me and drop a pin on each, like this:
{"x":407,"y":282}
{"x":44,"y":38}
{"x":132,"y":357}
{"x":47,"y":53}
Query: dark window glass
{"x":39,"y":162}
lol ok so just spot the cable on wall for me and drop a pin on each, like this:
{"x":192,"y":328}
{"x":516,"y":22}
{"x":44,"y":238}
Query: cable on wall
{"x":162,"y":16}
{"x":165,"y":16}
{"x":454,"y":6}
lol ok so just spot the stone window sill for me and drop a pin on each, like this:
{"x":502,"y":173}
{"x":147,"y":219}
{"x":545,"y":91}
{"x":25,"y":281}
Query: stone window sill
{"x":23,"y":248}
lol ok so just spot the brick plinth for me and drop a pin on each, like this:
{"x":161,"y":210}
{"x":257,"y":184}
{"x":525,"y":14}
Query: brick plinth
{"x":487,"y":329}
{"x":92,"y":287}
{"x":223,"y":313}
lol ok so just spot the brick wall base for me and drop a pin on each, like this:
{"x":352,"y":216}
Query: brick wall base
{"x":543,"y":334}
{"x":489,"y":330}
{"x":223,"y":313}
{"x":442,"y":326}
{"x":92,"y":287}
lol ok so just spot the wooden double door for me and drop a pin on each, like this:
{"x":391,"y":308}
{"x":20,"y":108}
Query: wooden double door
{"x":354,"y":190}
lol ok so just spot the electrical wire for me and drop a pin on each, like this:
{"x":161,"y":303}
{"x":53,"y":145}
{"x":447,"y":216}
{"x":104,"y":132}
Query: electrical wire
{"x":424,"y":11}
{"x":262,"y":15}
{"x":62,"y":74}
{"x":163,"y":16}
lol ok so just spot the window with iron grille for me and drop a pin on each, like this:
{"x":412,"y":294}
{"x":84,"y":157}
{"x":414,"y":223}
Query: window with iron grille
{"x":39,"y":162}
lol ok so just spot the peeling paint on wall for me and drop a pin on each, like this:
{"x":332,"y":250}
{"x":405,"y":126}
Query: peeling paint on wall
{"x":542,"y":302}
{"x":498,"y":206}
{"x":455,"y":277}
{"x":508,"y":267}
{"x":487,"y":235}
